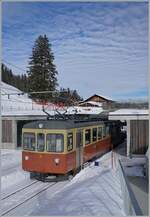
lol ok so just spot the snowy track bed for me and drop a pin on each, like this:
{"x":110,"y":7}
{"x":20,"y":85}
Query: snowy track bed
{"x":23,"y":195}
{"x":4,"y":196}
{"x":25,"y":201}
{"x":20,"y":195}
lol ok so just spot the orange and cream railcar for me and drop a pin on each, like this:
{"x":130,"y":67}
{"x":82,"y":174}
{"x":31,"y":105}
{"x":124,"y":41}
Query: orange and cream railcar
{"x":61,"y":146}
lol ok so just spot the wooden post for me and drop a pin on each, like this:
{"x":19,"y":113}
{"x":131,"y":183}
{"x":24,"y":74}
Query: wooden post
{"x":112,"y":155}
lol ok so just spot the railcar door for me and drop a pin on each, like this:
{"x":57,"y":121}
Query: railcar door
{"x":79,"y":148}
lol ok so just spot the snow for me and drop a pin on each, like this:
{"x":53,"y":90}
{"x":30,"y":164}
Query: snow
{"x":106,"y":97}
{"x":24,"y":113}
{"x":130,"y":112}
{"x":13,"y":179}
{"x":99,"y":104}
{"x":84,"y":110}
{"x":12,"y":173}
{"x":134,"y":171}
{"x":135,"y":161}
{"x":16,"y":102}
{"x":134,"y":166}
{"x":10,"y":157}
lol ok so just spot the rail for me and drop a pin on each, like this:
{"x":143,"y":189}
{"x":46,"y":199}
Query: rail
{"x":18,"y":190}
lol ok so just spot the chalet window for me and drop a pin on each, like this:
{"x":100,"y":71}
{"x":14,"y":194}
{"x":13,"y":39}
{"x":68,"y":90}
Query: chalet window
{"x":94,"y":134}
{"x":55,"y":142}
{"x":70,"y":141}
{"x":87,"y":136}
{"x":99,"y":133}
{"x":29,"y":141}
{"x":40,"y":142}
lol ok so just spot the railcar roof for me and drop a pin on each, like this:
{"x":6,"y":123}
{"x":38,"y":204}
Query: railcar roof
{"x":60,"y":124}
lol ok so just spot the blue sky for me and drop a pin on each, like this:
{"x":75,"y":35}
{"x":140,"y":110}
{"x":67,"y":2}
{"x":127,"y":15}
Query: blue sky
{"x":99,"y":48}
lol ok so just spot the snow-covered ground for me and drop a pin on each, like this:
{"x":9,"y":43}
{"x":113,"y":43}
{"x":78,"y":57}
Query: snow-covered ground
{"x":12,"y":173}
{"x":95,"y":190}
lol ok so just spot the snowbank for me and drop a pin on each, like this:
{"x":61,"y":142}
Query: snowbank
{"x":12,"y":179}
{"x":12,"y":173}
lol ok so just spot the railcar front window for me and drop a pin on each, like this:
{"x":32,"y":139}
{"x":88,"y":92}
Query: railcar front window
{"x":40,"y":142}
{"x":59,"y":143}
{"x":29,"y":141}
{"x":55,"y":142}
{"x":87,"y":136}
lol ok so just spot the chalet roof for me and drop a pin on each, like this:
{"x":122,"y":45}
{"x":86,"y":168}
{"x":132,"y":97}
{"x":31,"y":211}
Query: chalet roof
{"x":100,"y":96}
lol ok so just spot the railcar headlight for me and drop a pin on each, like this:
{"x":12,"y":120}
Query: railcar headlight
{"x":57,"y":160}
{"x":26,"y":157}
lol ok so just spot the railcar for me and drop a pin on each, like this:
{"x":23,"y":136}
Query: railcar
{"x":60,"y":147}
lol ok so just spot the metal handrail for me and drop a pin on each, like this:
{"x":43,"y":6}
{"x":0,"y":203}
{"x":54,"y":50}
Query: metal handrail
{"x":132,"y":197}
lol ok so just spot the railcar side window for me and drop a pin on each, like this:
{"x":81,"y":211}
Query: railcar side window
{"x":104,"y":131}
{"x":99,"y":133}
{"x":40,"y":141}
{"x":70,"y":141}
{"x":29,"y":141}
{"x":79,"y":138}
{"x":107,"y":131}
{"x":94,"y":134}
{"x":87,"y":136}
{"x":55,"y":142}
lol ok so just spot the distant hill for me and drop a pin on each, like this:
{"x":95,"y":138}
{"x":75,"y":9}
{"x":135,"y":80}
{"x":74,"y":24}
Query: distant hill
{"x":18,"y":81}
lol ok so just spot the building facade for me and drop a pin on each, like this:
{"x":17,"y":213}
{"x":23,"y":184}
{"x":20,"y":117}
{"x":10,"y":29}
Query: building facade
{"x":137,"y":121}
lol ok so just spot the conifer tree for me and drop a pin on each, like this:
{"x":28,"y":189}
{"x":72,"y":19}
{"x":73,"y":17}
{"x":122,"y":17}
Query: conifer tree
{"x":42,"y":71}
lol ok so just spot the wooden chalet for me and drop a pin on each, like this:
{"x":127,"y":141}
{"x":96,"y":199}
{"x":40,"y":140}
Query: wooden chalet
{"x":95,"y":99}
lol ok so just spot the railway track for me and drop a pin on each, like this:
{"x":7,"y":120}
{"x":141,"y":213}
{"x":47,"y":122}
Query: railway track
{"x":21,"y":196}
{"x":18,"y":190}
